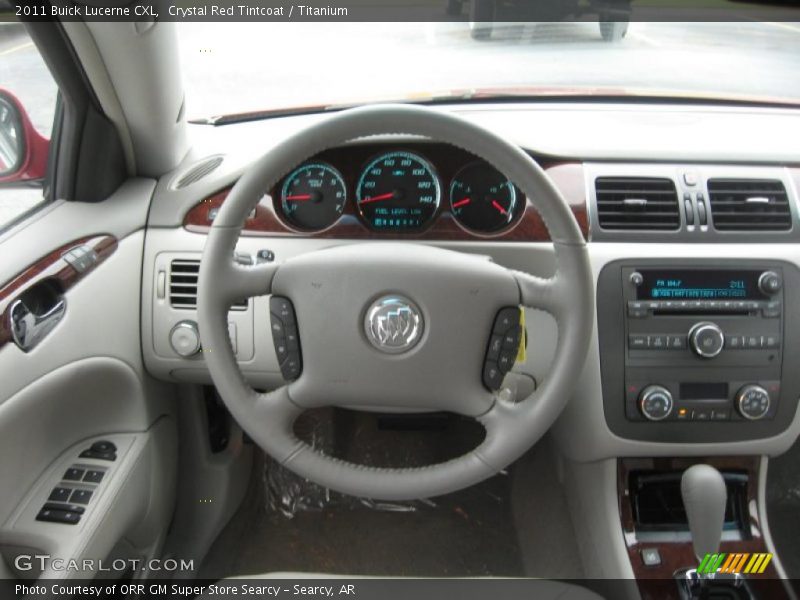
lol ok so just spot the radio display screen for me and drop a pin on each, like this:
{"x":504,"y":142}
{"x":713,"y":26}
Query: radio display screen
{"x":699,"y":284}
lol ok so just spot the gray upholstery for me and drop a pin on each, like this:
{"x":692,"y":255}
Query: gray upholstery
{"x":330,"y":274}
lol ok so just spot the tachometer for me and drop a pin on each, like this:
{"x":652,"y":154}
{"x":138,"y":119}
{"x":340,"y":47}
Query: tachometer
{"x":313,"y":196}
{"x":398,"y":191}
{"x":482,"y":198}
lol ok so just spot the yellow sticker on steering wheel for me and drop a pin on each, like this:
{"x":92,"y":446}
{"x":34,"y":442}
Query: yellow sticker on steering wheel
{"x":521,"y":354}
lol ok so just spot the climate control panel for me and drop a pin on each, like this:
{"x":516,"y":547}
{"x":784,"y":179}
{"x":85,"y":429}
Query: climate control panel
{"x":701,"y":401}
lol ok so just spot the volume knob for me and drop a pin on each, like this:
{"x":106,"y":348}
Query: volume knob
{"x":770,"y":283}
{"x":655,"y":402}
{"x":706,"y":339}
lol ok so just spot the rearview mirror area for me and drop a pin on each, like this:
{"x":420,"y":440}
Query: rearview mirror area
{"x":23,"y":150}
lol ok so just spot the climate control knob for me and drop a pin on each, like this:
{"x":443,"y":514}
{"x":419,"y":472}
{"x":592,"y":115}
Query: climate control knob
{"x":752,"y":402}
{"x":706,"y":339}
{"x":655,"y":402}
{"x":185,"y":339}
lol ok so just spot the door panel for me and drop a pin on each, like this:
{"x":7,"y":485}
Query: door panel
{"x":83,"y":382}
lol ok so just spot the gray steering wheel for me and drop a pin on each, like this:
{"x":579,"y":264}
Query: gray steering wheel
{"x":456,"y":297}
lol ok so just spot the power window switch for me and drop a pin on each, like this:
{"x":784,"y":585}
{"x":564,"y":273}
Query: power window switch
{"x":73,"y":474}
{"x":94,"y":476}
{"x":651,"y":557}
{"x":80,"y":496}
{"x":76,"y":508}
{"x":58,"y":516}
{"x":59,"y":494}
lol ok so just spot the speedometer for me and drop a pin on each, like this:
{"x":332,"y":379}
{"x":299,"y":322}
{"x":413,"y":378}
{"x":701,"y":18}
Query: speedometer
{"x":398,"y":191}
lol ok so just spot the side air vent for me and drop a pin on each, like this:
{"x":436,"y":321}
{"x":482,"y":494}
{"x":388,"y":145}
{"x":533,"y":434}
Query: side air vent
{"x":197,"y":171}
{"x":749,"y":205}
{"x":637,"y":204}
{"x":183,"y":285}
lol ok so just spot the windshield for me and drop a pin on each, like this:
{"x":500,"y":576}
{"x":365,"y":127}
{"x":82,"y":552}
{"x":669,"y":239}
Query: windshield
{"x":241,"y":67}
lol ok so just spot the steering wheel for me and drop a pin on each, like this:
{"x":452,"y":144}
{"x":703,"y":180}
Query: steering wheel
{"x":449,"y":300}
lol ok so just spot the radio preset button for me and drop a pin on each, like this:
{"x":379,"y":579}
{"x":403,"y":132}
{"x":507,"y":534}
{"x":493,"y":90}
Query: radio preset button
{"x":676,"y":342}
{"x":771,"y":310}
{"x":734,"y":342}
{"x":637,"y":342}
{"x":752,"y":341}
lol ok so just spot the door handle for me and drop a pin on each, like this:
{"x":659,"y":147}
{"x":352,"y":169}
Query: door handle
{"x":29,"y":328}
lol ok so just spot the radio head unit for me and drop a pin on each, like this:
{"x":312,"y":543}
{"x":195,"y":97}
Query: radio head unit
{"x":694,"y":342}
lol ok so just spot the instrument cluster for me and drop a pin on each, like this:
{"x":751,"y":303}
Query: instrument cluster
{"x":398,"y":190}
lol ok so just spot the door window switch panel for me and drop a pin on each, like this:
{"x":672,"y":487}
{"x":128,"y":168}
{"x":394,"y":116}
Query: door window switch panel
{"x":60,"y":494}
{"x":81,"y":496}
{"x":73,"y":474}
{"x":58,"y":516}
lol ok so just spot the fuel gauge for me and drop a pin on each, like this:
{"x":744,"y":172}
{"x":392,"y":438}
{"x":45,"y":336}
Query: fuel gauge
{"x":482,"y":198}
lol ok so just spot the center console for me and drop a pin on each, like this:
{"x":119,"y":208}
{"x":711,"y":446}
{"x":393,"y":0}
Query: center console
{"x":695,"y":351}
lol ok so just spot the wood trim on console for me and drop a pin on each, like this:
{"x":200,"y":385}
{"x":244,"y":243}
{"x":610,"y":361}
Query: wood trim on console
{"x":656,"y":583}
{"x":51,"y":267}
{"x":529,"y":227}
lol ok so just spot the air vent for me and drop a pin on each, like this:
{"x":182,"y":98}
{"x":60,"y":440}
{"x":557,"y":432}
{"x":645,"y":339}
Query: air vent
{"x":637,"y":203}
{"x":183,"y":285}
{"x":197,"y":172}
{"x":749,"y":205}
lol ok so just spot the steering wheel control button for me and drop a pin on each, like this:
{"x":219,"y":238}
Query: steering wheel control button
{"x":285,"y":337}
{"x":185,"y":339}
{"x":495,"y":345}
{"x":282,"y":308}
{"x":706,"y":339}
{"x":393,"y":324}
{"x":506,"y":319}
{"x":492,"y":376}
{"x":503,"y":347}
{"x":655,"y":402}
{"x":753,"y":402}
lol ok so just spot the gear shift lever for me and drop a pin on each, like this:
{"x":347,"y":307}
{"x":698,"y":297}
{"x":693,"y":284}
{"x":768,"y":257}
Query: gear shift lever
{"x":704,"y":497}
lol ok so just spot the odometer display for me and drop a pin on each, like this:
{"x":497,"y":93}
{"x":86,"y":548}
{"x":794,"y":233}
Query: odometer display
{"x":482,"y":198}
{"x":398,"y":191}
{"x":313,"y":196}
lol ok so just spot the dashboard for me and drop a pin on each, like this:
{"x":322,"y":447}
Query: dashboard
{"x":700,"y":223}
{"x":400,"y":190}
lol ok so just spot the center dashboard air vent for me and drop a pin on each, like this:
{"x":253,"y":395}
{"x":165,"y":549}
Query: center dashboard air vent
{"x":637,"y":204}
{"x":183,"y":275}
{"x":749,"y":205}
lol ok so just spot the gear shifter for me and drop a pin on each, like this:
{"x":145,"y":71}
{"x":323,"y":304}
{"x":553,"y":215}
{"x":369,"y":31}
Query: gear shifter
{"x":704,"y":497}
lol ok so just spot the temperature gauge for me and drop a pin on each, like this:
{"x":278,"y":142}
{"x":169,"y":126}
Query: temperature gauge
{"x":482,"y":198}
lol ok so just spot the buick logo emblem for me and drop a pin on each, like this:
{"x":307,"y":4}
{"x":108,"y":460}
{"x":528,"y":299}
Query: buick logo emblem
{"x":393,"y":324}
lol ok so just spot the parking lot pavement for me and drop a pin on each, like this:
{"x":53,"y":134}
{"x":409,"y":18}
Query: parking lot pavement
{"x":311,"y":63}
